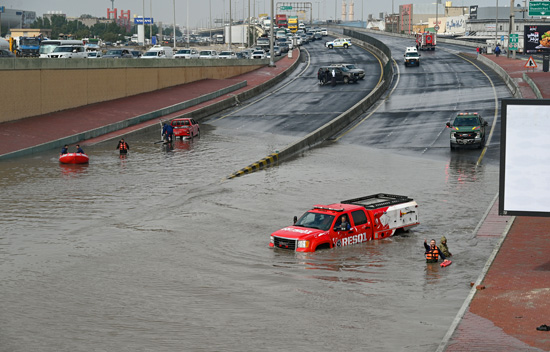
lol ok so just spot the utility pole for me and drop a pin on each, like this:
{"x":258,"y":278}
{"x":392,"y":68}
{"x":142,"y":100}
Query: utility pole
{"x":230,"y":23}
{"x":496,"y":26}
{"x":271,"y":35}
{"x":174,"y":24}
{"x":511,"y":29}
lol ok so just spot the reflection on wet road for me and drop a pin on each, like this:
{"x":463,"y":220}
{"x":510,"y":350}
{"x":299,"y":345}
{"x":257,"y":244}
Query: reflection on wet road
{"x":158,"y":252}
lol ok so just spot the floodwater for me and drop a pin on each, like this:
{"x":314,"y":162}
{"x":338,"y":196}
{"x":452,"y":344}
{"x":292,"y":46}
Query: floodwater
{"x":158,"y":252}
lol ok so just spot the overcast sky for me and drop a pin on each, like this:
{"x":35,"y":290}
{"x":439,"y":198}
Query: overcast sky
{"x":199,"y":10}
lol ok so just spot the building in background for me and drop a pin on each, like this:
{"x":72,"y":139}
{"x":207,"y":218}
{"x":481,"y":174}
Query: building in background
{"x":17,"y":18}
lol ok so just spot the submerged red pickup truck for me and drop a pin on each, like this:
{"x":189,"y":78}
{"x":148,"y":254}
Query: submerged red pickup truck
{"x":349,"y":222}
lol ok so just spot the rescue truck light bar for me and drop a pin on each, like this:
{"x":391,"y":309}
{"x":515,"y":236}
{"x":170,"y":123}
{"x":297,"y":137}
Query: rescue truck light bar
{"x":378,"y":200}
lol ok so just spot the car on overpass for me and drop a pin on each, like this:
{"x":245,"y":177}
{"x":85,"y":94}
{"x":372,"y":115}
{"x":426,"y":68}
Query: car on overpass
{"x":118,"y":54}
{"x":208,"y":54}
{"x":190,"y":53}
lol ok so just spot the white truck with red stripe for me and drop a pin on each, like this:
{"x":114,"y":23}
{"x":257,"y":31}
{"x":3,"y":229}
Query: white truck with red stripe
{"x":367,"y":218}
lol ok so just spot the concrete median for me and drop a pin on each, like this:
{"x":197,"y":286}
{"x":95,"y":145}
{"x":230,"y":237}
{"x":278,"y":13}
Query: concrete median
{"x":345,"y":119}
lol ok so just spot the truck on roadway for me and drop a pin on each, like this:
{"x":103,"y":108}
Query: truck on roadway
{"x":426,"y":41}
{"x":293,"y":23}
{"x":367,"y":218}
{"x":28,"y":46}
{"x":281,"y":21}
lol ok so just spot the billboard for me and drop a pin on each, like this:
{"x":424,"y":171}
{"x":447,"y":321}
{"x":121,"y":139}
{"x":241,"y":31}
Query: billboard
{"x":537,"y":39}
{"x":524,"y":158}
{"x":473,"y":12}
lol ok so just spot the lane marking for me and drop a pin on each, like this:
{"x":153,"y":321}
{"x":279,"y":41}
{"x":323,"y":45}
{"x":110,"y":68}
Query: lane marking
{"x":271,"y":93}
{"x":495,"y":117}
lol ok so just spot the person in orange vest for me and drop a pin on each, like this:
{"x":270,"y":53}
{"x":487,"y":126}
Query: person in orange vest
{"x":123,"y":147}
{"x":432,"y":252}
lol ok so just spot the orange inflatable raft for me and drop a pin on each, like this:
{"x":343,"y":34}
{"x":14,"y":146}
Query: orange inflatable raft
{"x":74,"y":158}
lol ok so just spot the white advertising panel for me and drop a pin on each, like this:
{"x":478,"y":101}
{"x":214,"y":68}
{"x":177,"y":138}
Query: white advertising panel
{"x":525,"y":158}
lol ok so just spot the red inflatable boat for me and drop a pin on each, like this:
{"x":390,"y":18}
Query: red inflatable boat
{"x":74,"y":158}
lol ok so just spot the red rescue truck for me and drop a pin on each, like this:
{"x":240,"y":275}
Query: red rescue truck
{"x":426,"y":41}
{"x":349,"y":222}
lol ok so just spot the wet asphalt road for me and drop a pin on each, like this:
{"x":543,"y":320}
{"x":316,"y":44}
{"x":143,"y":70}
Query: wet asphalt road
{"x":157,"y":252}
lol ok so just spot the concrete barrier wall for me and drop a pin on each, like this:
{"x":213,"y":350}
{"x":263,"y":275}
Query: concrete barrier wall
{"x":512,"y":85}
{"x":32,"y":87}
{"x":343,"y":120}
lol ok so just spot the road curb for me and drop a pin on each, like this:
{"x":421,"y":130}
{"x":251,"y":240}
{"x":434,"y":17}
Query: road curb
{"x":477,"y":285}
{"x":510,"y":82}
{"x":533,"y":85}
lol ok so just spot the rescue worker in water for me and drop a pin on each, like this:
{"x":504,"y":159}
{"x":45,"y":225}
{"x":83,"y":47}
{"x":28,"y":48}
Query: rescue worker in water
{"x":432,"y":252}
{"x":123,"y":147}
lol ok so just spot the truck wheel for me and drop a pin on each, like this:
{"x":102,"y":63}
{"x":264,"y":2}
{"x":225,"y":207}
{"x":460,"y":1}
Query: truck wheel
{"x":345,"y":46}
{"x":346,"y":80}
{"x":452,"y":146}
{"x":330,"y":46}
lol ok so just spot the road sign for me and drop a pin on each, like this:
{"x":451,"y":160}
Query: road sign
{"x":514,"y":42}
{"x":2,"y":9}
{"x":285,"y":8}
{"x":436,"y":27}
{"x":531,"y":63}
{"x":139,"y":20}
{"x":539,"y":8}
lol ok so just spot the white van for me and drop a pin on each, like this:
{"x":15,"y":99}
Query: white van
{"x":159,"y":52}
{"x":412,"y":57}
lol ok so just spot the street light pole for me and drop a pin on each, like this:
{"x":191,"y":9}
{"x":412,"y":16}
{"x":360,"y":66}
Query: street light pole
{"x":272,"y":36}
{"x":392,"y":16}
{"x":510,"y":30}
{"x":230,"y":23}
{"x":174,"y":1}
{"x":496,"y":26}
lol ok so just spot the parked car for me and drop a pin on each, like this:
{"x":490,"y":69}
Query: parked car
{"x":118,"y":54}
{"x":227,"y":55}
{"x":190,"y":53}
{"x":352,"y":68}
{"x":69,"y":52}
{"x":185,"y":128}
{"x":208,"y":54}
{"x":259,"y":54}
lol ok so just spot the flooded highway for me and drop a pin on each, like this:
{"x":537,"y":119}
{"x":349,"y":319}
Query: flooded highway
{"x":159,"y":252}
{"x":155,"y":252}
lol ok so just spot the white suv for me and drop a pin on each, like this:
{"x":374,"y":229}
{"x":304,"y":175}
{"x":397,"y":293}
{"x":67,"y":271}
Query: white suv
{"x":338,"y":43}
{"x":69,"y":52}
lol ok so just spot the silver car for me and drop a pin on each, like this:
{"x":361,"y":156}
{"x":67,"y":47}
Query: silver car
{"x":208,"y":54}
